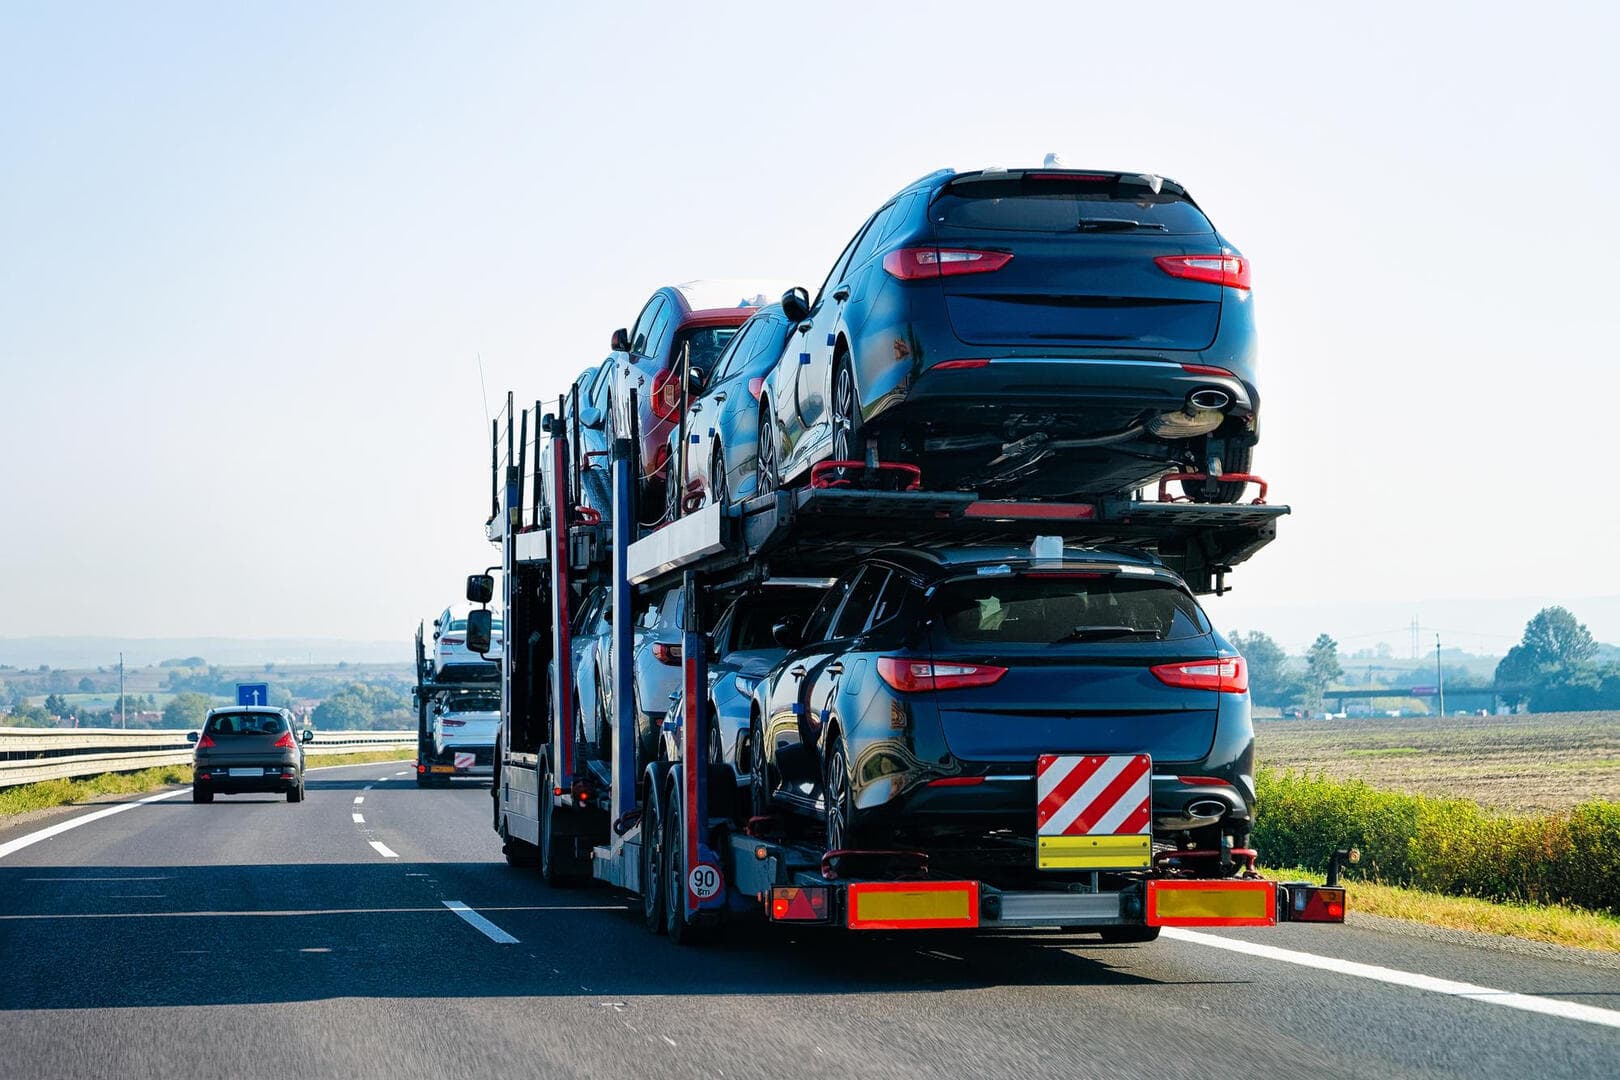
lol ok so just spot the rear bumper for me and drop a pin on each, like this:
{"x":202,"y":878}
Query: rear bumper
{"x":217,"y":778}
{"x":1078,"y":384}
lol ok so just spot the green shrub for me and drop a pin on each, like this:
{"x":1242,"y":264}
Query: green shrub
{"x":1451,"y":846}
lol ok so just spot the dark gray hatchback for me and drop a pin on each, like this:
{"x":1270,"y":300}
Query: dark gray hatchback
{"x":247,"y":749}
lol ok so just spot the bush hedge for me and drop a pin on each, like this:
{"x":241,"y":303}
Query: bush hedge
{"x":1451,"y":846}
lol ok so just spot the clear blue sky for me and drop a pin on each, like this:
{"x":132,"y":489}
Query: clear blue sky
{"x":249,"y":255}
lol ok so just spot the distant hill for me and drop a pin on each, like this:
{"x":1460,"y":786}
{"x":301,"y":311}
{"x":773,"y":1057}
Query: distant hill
{"x":94,"y":652}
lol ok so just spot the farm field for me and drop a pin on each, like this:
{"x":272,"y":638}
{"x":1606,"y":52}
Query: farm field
{"x":1540,"y":762}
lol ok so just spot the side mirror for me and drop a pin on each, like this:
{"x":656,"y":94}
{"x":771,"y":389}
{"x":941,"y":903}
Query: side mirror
{"x":590,"y":416}
{"x":786,"y":631}
{"x":309,"y":735}
{"x":191,"y":736}
{"x":796,"y":303}
{"x":621,"y":340}
{"x":480,"y":588}
{"x":694,"y":381}
{"x":480,"y":625}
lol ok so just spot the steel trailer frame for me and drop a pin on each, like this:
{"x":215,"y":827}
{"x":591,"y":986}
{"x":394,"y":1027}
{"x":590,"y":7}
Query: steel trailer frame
{"x":542,"y":797}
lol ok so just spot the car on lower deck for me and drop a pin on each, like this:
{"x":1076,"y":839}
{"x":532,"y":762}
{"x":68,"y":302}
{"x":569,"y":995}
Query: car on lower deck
{"x":248,"y":749}
{"x":464,"y":728}
{"x":918,"y":700}
{"x":1025,"y":332}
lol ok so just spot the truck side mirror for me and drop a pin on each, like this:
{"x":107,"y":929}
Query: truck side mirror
{"x":480,"y":625}
{"x":480,"y":589}
{"x":796,"y":303}
{"x":621,"y":340}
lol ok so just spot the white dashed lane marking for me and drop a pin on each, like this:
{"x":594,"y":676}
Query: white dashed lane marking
{"x":384,"y":850}
{"x":483,"y":925}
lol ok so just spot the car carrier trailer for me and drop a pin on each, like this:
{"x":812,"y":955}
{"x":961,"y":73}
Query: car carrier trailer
{"x":431,"y":687}
{"x":668,"y":829}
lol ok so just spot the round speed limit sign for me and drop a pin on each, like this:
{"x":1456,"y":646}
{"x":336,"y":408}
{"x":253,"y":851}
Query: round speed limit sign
{"x":704,"y":881}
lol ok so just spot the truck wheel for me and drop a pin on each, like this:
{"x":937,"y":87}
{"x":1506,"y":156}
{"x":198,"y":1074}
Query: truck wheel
{"x":519,"y":853}
{"x":1129,"y":935}
{"x":682,"y":931}
{"x":652,"y":866}
{"x":554,"y":871}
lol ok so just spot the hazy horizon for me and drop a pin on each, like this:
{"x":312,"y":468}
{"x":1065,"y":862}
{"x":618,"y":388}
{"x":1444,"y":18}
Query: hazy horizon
{"x":250,"y":260}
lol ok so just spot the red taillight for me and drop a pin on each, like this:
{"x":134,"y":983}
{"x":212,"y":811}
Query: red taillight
{"x":1228,"y":674}
{"x":921,"y":675}
{"x":1078,"y":178}
{"x":206,"y":742}
{"x":666,"y":395}
{"x":1206,"y":369}
{"x":286,"y":742}
{"x":756,"y":387}
{"x":451,"y":641}
{"x":666,"y":654}
{"x":1204,"y":780}
{"x":447,"y":722}
{"x":1229,"y":270}
{"x":959,"y":365}
{"x":910,"y":264}
{"x":806,"y":903}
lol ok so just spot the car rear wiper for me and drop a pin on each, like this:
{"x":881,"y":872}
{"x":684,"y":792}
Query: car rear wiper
{"x":1109,"y":224}
{"x":1089,"y":633}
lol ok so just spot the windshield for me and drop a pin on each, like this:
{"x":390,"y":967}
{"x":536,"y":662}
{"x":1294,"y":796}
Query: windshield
{"x":1038,"y":610}
{"x":246,"y":724}
{"x":461,"y":624}
{"x":1066,"y":206}
{"x":707,"y":342}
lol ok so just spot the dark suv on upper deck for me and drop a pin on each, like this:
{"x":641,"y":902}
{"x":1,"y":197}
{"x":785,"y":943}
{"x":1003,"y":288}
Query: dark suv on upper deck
{"x":1031,"y":332}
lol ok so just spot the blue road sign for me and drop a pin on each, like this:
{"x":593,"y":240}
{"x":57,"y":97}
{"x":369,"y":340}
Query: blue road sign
{"x":252,"y":693}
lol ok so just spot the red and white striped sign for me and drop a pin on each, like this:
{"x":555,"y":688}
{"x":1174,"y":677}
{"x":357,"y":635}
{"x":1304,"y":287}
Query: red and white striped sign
{"x":1093,"y":794}
{"x":465,"y":761}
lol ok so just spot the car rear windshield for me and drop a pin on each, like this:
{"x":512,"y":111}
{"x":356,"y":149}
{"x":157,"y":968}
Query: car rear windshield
{"x":461,"y":624}
{"x":707,"y":342}
{"x":1039,"y":610}
{"x":1067,"y":206}
{"x":475,"y":704}
{"x":246,"y":724}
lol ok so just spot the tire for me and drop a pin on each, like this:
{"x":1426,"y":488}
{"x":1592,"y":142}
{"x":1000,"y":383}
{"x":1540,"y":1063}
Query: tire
{"x":719,"y":487}
{"x":296,"y":794}
{"x":199,"y":794}
{"x":1235,"y":458}
{"x":839,"y":796}
{"x":759,"y":791}
{"x":553,"y":871}
{"x":652,"y":866}
{"x":1129,"y":935}
{"x":681,"y":931}
{"x":520,"y":854}
{"x":672,"y":495}
{"x":767,"y":466}
{"x":846,"y":413}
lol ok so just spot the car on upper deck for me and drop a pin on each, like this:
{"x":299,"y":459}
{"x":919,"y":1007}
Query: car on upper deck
{"x":1039,"y":333}
{"x":914,"y":705}
{"x":452,"y":660}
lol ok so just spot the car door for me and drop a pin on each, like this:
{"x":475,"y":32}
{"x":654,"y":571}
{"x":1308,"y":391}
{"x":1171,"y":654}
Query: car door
{"x":626,"y":374}
{"x":703,"y":416}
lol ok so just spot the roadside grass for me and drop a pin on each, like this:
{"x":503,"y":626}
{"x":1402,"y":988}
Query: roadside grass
{"x":48,"y":793}
{"x":1556,"y":924}
{"x":1383,"y":751}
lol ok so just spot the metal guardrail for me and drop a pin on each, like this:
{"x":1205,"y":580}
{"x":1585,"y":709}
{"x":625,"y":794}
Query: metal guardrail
{"x":28,"y":755}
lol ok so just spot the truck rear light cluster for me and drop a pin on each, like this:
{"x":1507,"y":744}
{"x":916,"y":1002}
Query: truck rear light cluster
{"x":796,"y":904}
{"x":909,"y":675}
{"x":916,"y":263}
{"x":1315,"y":903}
{"x":1228,"y":674}
{"x":1231,"y":271}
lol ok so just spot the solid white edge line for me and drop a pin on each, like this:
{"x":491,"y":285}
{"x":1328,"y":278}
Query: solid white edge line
{"x":384,"y":850}
{"x":1569,"y":1010}
{"x":359,"y":819}
{"x":487,"y":928}
{"x":73,"y":823}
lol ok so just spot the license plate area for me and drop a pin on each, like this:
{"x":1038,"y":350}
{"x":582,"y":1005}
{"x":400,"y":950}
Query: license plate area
{"x":1094,"y":812}
{"x":257,"y":770}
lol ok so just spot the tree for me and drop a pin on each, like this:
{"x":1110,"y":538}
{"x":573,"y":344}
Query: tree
{"x":57,"y":706}
{"x":86,"y":686}
{"x":1321,"y":668}
{"x":1556,"y":639}
{"x":187,"y":710}
{"x":1552,"y":666}
{"x":1272,"y":678}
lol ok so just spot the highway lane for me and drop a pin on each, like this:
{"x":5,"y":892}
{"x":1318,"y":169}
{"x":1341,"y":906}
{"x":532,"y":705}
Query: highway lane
{"x":251,"y":937}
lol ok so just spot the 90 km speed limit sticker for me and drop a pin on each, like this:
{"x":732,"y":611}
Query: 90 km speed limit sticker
{"x":704,"y":881}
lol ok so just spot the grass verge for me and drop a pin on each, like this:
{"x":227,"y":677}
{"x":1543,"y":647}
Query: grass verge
{"x":1554,"y":924}
{"x":48,"y":793}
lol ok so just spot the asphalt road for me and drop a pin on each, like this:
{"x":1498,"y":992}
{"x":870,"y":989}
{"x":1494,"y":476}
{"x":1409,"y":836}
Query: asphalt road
{"x":253,"y":938}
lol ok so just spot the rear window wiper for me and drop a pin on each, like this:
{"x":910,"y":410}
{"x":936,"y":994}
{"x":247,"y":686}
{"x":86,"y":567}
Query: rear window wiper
{"x":1092,"y":633}
{"x":1108,"y":224}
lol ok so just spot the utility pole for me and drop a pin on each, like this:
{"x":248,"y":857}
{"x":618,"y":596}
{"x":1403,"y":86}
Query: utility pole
{"x":1439,"y":678}
{"x":123,"y":718}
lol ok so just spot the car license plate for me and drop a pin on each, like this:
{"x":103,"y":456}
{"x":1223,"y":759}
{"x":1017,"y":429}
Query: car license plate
{"x":247,"y":772}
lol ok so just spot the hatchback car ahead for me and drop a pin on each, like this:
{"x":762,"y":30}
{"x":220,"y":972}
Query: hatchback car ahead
{"x":1033,"y":332}
{"x":691,"y":324}
{"x":924,"y":688}
{"x":247,"y":748}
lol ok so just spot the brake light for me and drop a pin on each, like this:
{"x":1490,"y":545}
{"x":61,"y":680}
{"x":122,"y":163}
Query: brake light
{"x":286,"y":742}
{"x":1228,"y":674}
{"x":806,"y":903}
{"x":910,"y":264}
{"x":447,"y":722}
{"x":959,"y":365}
{"x":756,"y":387}
{"x":1229,"y":270}
{"x":451,"y":641}
{"x":922,"y":675}
{"x":666,"y":395}
{"x":1079,"y":178}
{"x":206,"y":742}
{"x":666,"y":654}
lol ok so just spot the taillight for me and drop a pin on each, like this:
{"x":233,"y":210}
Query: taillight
{"x":957,"y":781}
{"x":1229,"y":270}
{"x":447,"y":722}
{"x":756,"y":386}
{"x":666,"y":654}
{"x":206,"y":742}
{"x":286,"y":742}
{"x":910,"y":264}
{"x":959,"y":365}
{"x":922,"y":675}
{"x":666,"y":395}
{"x":451,"y":641}
{"x":1228,"y":674}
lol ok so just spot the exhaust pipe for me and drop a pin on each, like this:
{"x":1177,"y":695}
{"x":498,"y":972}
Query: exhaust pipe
{"x":1212,"y":809}
{"x":1209,"y":398}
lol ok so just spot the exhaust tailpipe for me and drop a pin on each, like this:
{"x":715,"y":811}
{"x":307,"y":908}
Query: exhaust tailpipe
{"x":1209,"y":398}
